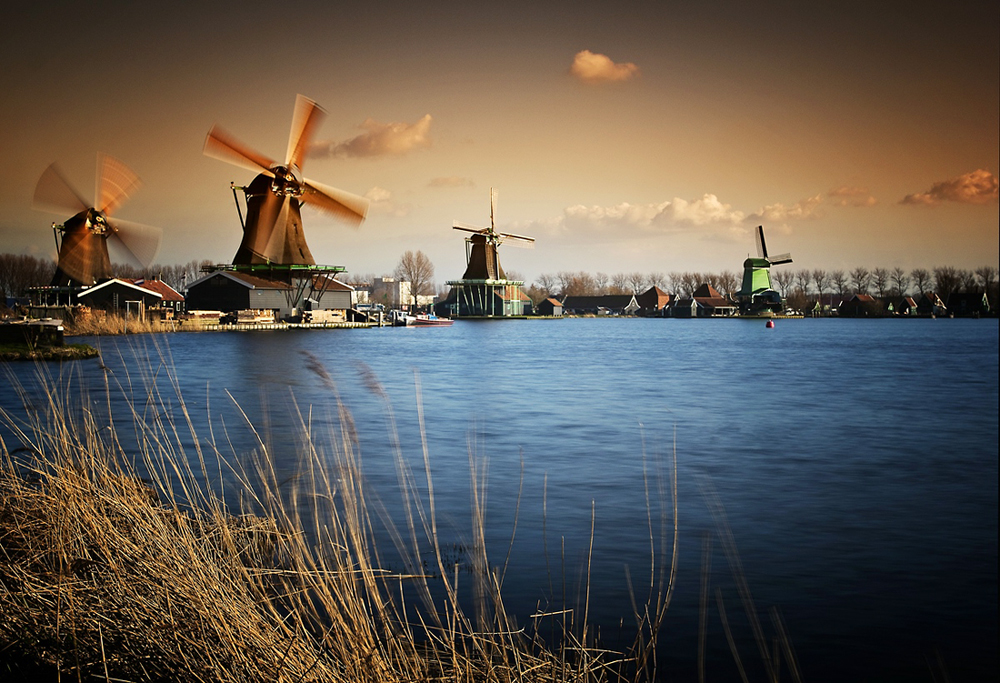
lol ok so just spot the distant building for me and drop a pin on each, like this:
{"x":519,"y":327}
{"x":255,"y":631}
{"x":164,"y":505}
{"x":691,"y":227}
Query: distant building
{"x":653,"y":301}
{"x":119,"y":296}
{"x":391,"y":293}
{"x":230,"y":291}
{"x":171,"y":300}
{"x":861,"y":306}
{"x":968,"y":304}
{"x":606,"y":304}
{"x":551,"y":307}
{"x":902,"y":306}
{"x":711,"y":303}
{"x":930,"y":304}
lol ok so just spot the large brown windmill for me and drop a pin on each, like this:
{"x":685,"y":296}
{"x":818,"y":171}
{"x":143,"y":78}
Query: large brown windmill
{"x":83,"y":239}
{"x":273,"y":231}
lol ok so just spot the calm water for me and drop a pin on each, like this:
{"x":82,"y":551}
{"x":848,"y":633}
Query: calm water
{"x":856,"y":462}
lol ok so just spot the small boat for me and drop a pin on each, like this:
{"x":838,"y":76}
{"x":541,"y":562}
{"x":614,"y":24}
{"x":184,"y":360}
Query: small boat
{"x":427,"y":320}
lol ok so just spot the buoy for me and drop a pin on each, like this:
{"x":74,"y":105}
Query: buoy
{"x":770,"y":324}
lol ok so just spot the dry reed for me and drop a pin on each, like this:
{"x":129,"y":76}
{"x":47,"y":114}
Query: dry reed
{"x":106,"y":576}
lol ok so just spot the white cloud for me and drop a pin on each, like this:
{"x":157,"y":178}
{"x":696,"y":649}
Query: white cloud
{"x":382,"y":202}
{"x":778,"y":213}
{"x":379,"y":139}
{"x":593,"y":67}
{"x":851,"y":196}
{"x":975,"y":187}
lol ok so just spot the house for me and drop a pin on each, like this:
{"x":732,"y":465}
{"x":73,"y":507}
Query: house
{"x":391,"y":293}
{"x":606,"y":304}
{"x":119,"y":296}
{"x":861,"y":306}
{"x":329,"y":294}
{"x":930,"y":304}
{"x":683,"y":308}
{"x":902,"y":306}
{"x":550,"y":307}
{"x":229,"y":291}
{"x":968,"y":304}
{"x":653,"y":301}
{"x":711,"y":303}
{"x":171,"y":300}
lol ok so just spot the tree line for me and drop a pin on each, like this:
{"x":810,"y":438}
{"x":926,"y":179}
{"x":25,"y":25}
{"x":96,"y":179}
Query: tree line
{"x":19,"y":272}
{"x":791,"y":284}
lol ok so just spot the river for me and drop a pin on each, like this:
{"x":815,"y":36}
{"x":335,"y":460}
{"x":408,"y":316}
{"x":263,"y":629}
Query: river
{"x":854,"y":463}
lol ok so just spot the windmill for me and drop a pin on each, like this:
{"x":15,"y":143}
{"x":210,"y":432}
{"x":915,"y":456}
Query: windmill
{"x":482,"y":248}
{"x":272,"y":232}
{"x":82,"y":240}
{"x":757,"y":296}
{"x":484,"y":279}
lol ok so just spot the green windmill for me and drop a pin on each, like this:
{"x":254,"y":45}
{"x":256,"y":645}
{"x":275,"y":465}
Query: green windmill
{"x":757,"y":296}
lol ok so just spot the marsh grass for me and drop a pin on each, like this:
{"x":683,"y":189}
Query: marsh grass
{"x":124,"y":564}
{"x":100,"y":323}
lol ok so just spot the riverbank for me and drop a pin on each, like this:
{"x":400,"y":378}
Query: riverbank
{"x":16,"y":352}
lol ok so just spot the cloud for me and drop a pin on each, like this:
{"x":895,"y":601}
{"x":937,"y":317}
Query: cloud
{"x":851,"y":196}
{"x":382,"y":202}
{"x":451,"y":181}
{"x":592,"y":67}
{"x":379,"y":139}
{"x":706,"y":213}
{"x":779,"y":213}
{"x":976,"y":187}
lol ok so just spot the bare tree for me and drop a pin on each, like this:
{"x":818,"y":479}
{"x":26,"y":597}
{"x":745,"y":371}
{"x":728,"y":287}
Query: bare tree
{"x":946,"y":281}
{"x":19,"y":272}
{"x":899,"y":280}
{"x":880,"y":279}
{"x":619,"y":284}
{"x":655,"y":279}
{"x":968,"y":280}
{"x":839,"y":280}
{"x":986,"y":275}
{"x":417,"y":269}
{"x":783,"y":279}
{"x":921,"y":279}
{"x":861,"y":279}
{"x":729,"y":283}
{"x":821,"y":280}
{"x":802,"y":280}
{"x":548,"y":283}
{"x":601,"y":282}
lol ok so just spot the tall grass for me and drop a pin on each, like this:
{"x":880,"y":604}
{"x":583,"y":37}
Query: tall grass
{"x":123,"y":564}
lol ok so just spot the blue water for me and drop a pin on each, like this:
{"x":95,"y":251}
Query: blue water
{"x":855,"y":462}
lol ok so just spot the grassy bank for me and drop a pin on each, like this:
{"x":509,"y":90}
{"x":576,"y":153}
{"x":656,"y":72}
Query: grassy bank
{"x":10,"y":352}
{"x":106,"y":576}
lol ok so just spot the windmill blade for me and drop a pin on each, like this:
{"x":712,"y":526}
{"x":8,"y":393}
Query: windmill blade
{"x":81,"y":255}
{"x":141,"y":242}
{"x":274,"y":250}
{"x":348,"y":207}
{"x":53,"y":192}
{"x":306,"y":119}
{"x":493,"y":208}
{"x":267,"y":219}
{"x":761,"y":244}
{"x":458,"y":225}
{"x":519,"y":241}
{"x":116,"y":182}
{"x":221,"y":145}
{"x":779,"y":259}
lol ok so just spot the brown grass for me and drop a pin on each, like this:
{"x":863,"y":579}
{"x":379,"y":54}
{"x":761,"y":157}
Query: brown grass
{"x":100,"y":323}
{"x":107,"y":577}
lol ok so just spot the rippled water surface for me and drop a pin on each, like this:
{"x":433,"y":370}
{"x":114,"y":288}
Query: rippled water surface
{"x":854,"y":461}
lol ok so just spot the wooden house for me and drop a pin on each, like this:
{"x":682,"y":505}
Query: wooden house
{"x":550,"y":307}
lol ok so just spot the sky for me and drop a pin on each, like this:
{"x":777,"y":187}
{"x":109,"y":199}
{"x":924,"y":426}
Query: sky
{"x":623,"y":137}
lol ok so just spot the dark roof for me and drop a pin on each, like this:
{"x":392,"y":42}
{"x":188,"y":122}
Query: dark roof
{"x":707,"y":291}
{"x":251,"y":281}
{"x":160,"y":287}
{"x":654,"y":297}
{"x":613,"y":302}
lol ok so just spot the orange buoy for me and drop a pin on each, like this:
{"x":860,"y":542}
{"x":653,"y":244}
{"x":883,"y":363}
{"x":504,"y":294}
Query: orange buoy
{"x":770,"y":324}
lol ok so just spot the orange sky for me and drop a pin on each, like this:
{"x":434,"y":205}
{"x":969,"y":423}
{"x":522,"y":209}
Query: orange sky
{"x":623,"y":136}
